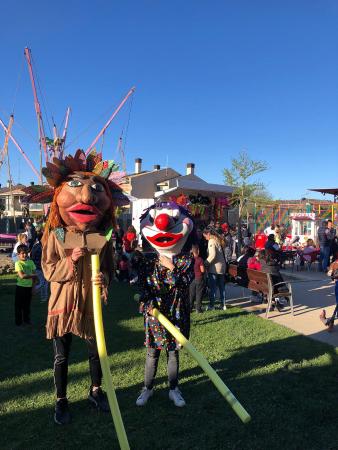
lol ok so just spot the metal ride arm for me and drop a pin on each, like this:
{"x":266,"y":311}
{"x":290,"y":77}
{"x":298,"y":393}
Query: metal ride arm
{"x":199,"y":358}
{"x":101,"y":346}
{"x":41,"y":129}
{"x":5,"y":147}
{"x":21,"y":151}
{"x":132,"y":90}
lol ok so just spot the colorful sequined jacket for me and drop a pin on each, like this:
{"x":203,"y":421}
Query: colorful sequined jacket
{"x":169,"y":292}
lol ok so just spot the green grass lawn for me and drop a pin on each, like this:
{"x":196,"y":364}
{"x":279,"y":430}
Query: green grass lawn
{"x":287,"y":382}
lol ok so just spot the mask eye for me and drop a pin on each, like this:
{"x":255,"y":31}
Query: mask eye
{"x":152,"y":213}
{"x":74,"y":183}
{"x":176,"y":213}
{"x":97,"y":187}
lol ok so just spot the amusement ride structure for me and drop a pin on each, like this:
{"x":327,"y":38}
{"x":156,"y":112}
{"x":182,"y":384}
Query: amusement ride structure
{"x":50,"y":147}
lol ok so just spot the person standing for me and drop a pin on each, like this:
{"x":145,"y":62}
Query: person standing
{"x":25,"y":269}
{"x":36,"y":255}
{"x":21,"y":240}
{"x":31,"y":234}
{"x":269,"y":230}
{"x":216,"y":267}
{"x":197,"y":285}
{"x":324,"y":244}
{"x":164,"y":280}
{"x":80,"y":223}
{"x":332,"y":237}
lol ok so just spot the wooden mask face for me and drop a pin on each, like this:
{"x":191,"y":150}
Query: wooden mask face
{"x":83,"y":201}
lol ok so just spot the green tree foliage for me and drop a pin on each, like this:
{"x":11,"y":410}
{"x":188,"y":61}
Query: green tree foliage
{"x":240,"y":177}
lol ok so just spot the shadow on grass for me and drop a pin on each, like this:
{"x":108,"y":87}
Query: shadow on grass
{"x":287,"y":392}
{"x":202,"y":319}
{"x":26,"y":350}
{"x":299,"y":396}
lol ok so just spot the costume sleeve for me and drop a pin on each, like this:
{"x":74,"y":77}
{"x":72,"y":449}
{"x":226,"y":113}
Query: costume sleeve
{"x":183,"y":273}
{"x":146,"y":268}
{"x":56,"y":267}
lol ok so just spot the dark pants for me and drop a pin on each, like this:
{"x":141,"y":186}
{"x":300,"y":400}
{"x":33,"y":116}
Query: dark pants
{"x":23,"y":297}
{"x":61,"y":346}
{"x":153,"y":356}
{"x":216,"y":281}
{"x":324,"y":257}
{"x":196,"y":290}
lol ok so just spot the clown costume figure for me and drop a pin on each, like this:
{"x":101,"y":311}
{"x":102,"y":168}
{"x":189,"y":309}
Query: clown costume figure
{"x":80,"y":223}
{"x":164,"y":280}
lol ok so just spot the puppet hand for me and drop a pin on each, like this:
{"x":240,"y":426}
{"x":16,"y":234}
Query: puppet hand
{"x":77,"y":253}
{"x":166,"y":262}
{"x":98,"y":280}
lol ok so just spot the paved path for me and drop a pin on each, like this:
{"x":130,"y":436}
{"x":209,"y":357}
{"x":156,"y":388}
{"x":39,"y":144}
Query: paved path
{"x":312,"y":291}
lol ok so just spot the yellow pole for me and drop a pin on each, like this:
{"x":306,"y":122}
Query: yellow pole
{"x":199,"y":358}
{"x":101,"y":345}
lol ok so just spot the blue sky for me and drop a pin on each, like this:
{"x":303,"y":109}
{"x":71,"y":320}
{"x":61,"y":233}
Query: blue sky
{"x":212,"y":78}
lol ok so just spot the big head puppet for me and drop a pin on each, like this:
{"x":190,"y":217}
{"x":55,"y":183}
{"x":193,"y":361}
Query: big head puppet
{"x":83,"y":193}
{"x":164,"y":284}
{"x":168,"y":228}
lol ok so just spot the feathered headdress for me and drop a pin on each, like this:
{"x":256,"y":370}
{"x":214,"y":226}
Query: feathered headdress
{"x":60,"y":169}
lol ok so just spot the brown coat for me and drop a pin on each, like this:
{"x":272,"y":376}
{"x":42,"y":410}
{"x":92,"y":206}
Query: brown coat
{"x":70,"y":307}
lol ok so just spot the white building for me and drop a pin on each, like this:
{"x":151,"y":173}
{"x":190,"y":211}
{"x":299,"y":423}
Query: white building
{"x":11,"y":202}
{"x":148,"y":186}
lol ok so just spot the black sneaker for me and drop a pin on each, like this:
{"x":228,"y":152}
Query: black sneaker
{"x":99,"y":399}
{"x":62,"y":414}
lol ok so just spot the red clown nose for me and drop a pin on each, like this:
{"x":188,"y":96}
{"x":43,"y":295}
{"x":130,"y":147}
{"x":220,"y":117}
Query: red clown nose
{"x":162,"y":221}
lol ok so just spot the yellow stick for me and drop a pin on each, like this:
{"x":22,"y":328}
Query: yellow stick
{"x":101,"y":345}
{"x":223,"y":389}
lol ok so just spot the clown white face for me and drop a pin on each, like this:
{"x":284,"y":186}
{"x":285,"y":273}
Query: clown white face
{"x":166,"y":228}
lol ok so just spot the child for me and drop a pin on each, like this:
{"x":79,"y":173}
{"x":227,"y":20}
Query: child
{"x":124,"y":268}
{"x":329,"y":322}
{"x":23,"y":293}
{"x":197,"y":285}
{"x":22,"y":240}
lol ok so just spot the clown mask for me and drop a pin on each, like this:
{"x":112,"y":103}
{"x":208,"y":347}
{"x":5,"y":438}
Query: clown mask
{"x":166,"y":227}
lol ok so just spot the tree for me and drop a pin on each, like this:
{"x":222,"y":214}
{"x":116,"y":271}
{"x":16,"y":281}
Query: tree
{"x":246,"y":190}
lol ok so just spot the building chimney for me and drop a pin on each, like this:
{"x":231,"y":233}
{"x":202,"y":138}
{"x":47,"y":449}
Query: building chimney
{"x":32,"y":183}
{"x":157,"y":167}
{"x":138,"y":165}
{"x":9,"y":183}
{"x":190,"y":169}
